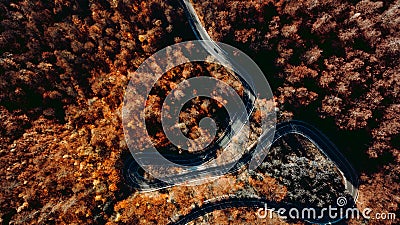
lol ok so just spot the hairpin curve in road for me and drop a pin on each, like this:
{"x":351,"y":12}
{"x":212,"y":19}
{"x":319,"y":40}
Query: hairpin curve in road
{"x":325,"y":146}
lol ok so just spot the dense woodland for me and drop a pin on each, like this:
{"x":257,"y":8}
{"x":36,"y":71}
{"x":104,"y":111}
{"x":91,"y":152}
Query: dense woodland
{"x":64,"y":67}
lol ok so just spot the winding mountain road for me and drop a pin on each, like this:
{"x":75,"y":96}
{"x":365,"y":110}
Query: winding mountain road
{"x":135,"y":178}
